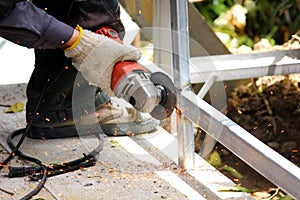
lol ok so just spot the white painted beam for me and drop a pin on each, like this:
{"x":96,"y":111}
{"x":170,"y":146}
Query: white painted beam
{"x":235,"y":67}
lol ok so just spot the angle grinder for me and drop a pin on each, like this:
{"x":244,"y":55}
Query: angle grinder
{"x":153,"y":93}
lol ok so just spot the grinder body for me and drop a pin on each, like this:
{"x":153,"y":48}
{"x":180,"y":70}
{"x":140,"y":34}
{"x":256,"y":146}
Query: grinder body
{"x":153,"y":93}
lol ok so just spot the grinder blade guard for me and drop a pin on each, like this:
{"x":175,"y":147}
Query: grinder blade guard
{"x":168,"y":96}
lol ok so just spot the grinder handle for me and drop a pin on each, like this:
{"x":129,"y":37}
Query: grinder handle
{"x":121,"y":68}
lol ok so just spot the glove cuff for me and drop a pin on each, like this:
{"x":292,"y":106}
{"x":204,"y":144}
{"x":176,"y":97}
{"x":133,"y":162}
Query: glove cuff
{"x":83,"y":45}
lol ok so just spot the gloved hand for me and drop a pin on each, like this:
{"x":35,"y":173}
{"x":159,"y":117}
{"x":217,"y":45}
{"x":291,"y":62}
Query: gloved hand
{"x":95,"y":55}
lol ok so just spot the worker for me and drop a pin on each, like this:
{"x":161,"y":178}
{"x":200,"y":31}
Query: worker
{"x":62,"y":35}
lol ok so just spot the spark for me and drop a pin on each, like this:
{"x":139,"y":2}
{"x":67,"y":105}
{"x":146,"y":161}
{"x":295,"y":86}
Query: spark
{"x":115,"y":133}
{"x":295,"y":150}
{"x":239,"y":111}
{"x":282,"y":131}
{"x":271,"y":92}
{"x":47,"y":119}
{"x":129,"y":134}
{"x":66,"y":67}
{"x":63,"y":94}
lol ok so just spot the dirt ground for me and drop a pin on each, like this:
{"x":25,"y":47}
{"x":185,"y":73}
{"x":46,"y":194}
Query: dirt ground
{"x":268,"y":108}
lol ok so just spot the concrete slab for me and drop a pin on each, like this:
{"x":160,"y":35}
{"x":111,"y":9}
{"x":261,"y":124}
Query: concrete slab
{"x":123,"y":170}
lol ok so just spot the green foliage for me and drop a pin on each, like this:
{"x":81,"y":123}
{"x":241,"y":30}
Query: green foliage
{"x":273,"y":19}
{"x":211,"y":9}
{"x":270,"y":19}
{"x":232,"y":171}
{"x":286,"y":197}
{"x":215,"y":159}
{"x":235,"y":188}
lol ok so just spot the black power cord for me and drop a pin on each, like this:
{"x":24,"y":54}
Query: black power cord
{"x":43,"y":168}
{"x":15,"y":151}
{"x":37,"y":173}
{"x":42,"y":172}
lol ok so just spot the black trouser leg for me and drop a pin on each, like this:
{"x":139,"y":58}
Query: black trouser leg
{"x":55,"y":71}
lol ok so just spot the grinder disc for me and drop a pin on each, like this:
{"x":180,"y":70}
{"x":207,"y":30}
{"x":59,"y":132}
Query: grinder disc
{"x":165,"y":108}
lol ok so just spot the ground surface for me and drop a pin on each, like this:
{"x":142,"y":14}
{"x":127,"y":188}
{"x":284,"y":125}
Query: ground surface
{"x":269,"y":108}
{"x":137,"y":167}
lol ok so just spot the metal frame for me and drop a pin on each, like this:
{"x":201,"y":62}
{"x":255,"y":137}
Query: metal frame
{"x":256,"y":154}
{"x":181,"y":74}
{"x":209,"y":69}
{"x":243,"y":66}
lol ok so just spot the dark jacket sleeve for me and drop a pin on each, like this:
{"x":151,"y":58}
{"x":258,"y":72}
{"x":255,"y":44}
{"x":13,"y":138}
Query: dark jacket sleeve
{"x":26,"y":25}
{"x":9,"y":2}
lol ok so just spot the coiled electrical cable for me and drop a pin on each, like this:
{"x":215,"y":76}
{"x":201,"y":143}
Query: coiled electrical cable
{"x":43,"y":168}
{"x":16,"y":149}
{"x":85,"y":161}
{"x":42,"y":172}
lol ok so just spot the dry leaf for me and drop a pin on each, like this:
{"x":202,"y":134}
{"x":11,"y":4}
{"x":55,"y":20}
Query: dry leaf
{"x":17,"y":107}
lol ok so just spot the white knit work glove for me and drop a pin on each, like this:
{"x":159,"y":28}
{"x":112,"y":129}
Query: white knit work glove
{"x":95,"y":55}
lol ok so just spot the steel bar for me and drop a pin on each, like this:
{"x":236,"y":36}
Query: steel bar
{"x":161,"y":35}
{"x":207,"y":85}
{"x":209,"y":142}
{"x":235,"y":67}
{"x":259,"y":156}
{"x":181,"y":77}
{"x":256,"y":154}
